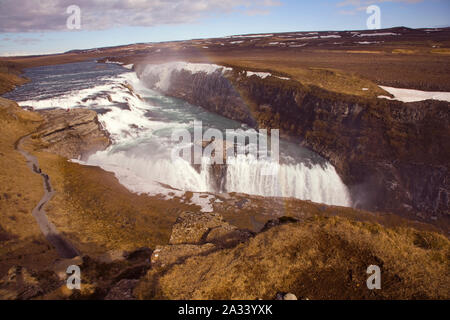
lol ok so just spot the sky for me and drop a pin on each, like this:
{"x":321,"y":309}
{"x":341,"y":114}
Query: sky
{"x":41,"y":26}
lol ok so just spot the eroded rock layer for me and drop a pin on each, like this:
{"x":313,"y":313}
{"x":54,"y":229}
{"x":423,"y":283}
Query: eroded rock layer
{"x":73,"y":133}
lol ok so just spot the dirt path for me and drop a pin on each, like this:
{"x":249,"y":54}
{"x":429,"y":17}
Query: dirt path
{"x":64,"y":248}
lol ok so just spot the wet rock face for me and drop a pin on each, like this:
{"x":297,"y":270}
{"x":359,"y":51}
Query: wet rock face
{"x":217,"y":170}
{"x":212,"y":91}
{"x":416,"y":188}
{"x":392,"y":155}
{"x":72,"y":134}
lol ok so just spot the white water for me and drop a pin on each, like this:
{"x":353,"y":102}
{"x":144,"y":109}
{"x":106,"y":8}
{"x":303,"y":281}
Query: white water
{"x":316,"y":183}
{"x":164,"y":71}
{"x":140,"y":155}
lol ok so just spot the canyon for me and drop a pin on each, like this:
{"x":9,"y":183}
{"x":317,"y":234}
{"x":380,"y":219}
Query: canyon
{"x":391,"y":156}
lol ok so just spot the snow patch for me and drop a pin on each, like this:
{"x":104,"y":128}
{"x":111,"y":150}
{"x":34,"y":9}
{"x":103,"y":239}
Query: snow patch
{"x":262,"y":75}
{"x":307,"y":38}
{"x":378,"y":34}
{"x":368,"y":42}
{"x":254,"y":36}
{"x":298,"y":45}
{"x":113,"y":62}
{"x":204,"y":201}
{"x":410,"y":95}
{"x":330,"y":37}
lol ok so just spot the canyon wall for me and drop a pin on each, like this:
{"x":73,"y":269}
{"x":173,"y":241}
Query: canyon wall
{"x":393,"y":156}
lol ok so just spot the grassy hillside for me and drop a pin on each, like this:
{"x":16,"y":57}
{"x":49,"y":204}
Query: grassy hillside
{"x":9,"y":77}
{"x":21,"y":241}
{"x":322,"y":258}
{"x":98,"y":214}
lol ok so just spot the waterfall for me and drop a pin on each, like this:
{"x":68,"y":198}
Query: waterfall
{"x":244,"y":174}
{"x":318,"y":183}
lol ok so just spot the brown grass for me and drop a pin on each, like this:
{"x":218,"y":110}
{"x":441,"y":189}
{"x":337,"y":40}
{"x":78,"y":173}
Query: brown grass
{"x":9,"y":77}
{"x":20,"y":191}
{"x":334,"y":80}
{"x":404,"y":51}
{"x":323,"y":258}
{"x":365,"y":51}
{"x":444,"y":51}
{"x":98,"y":214}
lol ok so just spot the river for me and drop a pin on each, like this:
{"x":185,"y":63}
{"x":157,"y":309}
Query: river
{"x":140,"y":122}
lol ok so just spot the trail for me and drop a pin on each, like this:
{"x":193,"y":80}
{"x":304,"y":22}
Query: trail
{"x":64,"y":248}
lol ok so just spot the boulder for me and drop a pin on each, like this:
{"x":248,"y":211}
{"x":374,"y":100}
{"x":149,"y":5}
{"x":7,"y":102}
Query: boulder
{"x":197,"y":233}
{"x":285,"y":296}
{"x":201,"y":228}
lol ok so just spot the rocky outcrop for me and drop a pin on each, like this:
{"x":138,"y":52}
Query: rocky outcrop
{"x":200,"y":228}
{"x":123,"y":290}
{"x":10,"y":77}
{"x":393,"y":156}
{"x":72,"y":134}
{"x":197,"y":233}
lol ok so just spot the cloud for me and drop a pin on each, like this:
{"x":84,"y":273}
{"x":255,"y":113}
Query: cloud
{"x":257,"y":12}
{"x":46,"y":15}
{"x":347,"y":12}
{"x":361,"y":5}
{"x":25,"y":53}
{"x":22,"y":41}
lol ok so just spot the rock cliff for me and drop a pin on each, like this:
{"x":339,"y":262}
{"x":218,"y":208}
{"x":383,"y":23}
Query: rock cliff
{"x":71,"y":134}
